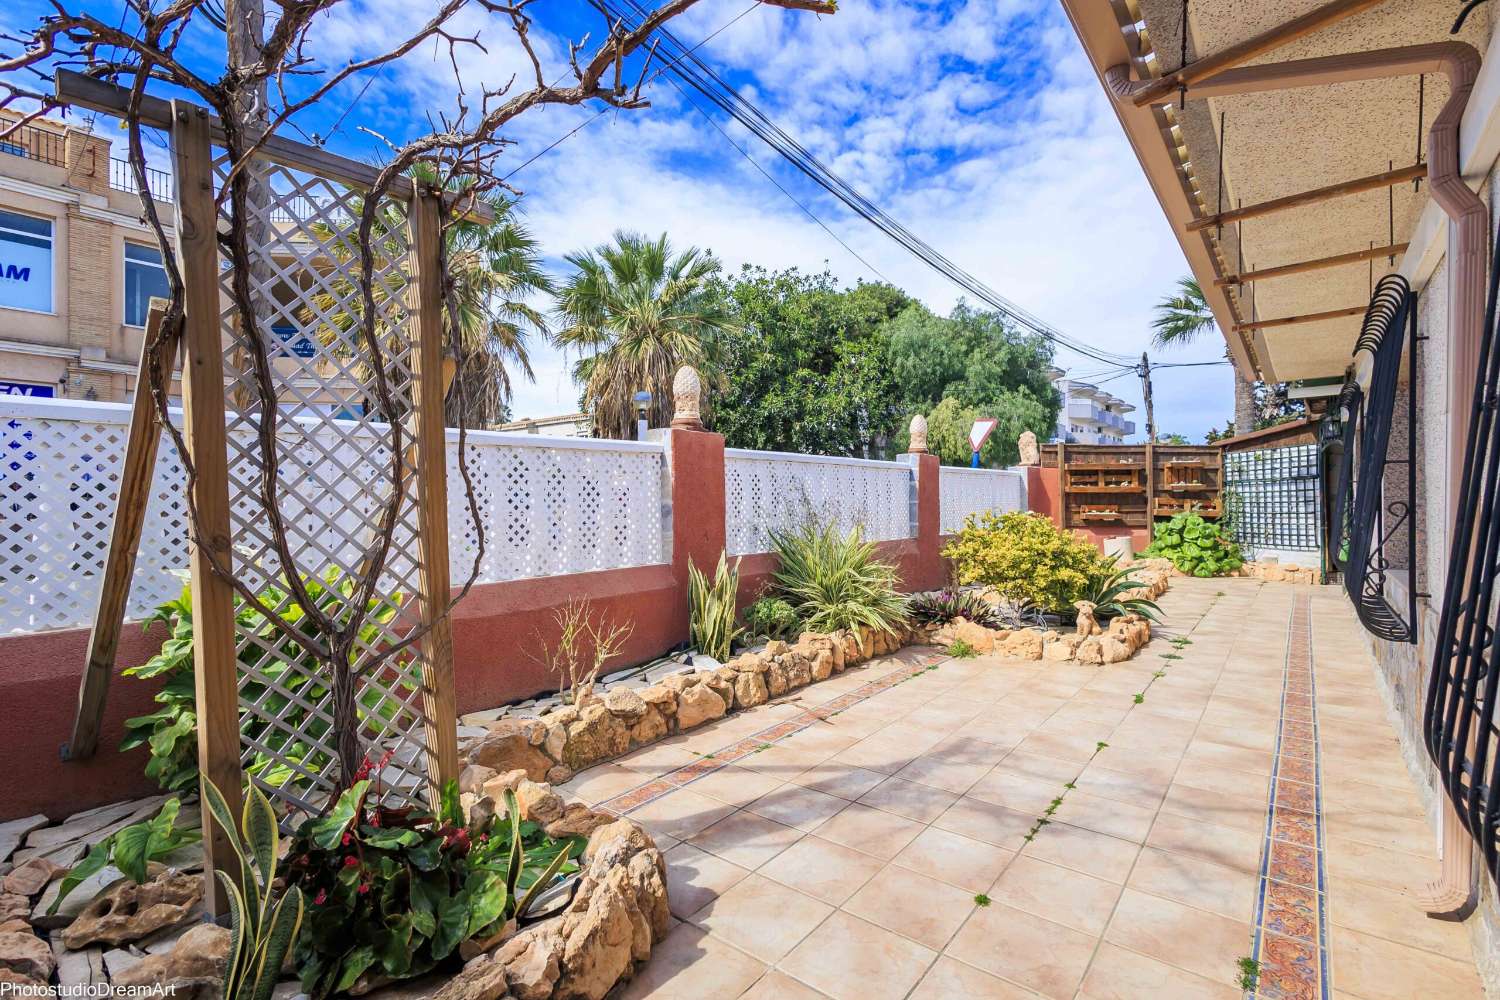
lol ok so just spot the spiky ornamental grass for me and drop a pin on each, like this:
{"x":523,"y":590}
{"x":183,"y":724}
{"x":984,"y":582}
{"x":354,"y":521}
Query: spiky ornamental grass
{"x":835,"y":581}
{"x":711,"y":608}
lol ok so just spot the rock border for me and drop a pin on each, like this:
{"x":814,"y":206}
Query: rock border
{"x":1278,"y":572}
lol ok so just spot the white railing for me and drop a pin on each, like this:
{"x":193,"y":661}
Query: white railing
{"x":962,"y":492}
{"x":550,"y":506}
{"x":768,"y":491}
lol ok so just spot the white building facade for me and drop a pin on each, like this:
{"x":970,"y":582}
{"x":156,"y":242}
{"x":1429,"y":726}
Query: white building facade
{"x":1088,"y":414}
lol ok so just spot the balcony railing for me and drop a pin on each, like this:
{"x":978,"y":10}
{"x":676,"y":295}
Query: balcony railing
{"x":122,"y":178}
{"x":34,"y":143}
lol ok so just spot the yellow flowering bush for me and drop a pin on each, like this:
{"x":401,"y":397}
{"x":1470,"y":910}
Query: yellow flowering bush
{"x":1025,"y":557}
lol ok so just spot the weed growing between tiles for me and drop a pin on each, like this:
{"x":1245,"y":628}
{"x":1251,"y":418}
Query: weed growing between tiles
{"x":1249,"y":973}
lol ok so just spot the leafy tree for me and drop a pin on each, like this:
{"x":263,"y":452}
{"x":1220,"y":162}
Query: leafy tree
{"x":641,"y":311}
{"x":1173,"y":439}
{"x":805,"y":365}
{"x":1180,"y":319}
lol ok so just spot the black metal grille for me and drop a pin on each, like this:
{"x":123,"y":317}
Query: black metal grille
{"x":1460,"y":718}
{"x":1351,"y":403}
{"x":1390,"y":324}
{"x":1273,"y":498}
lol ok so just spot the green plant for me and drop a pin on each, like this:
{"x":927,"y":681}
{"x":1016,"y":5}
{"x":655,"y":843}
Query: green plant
{"x":262,"y":927}
{"x":132,"y":849}
{"x":1249,"y":973}
{"x":835,"y":581}
{"x":171,"y":732}
{"x":394,"y":892}
{"x":981,"y":900}
{"x":773,"y":618}
{"x":1025,"y":557}
{"x":1108,"y":591}
{"x":1194,"y":546}
{"x":959,"y":649}
{"x":944,"y":606}
{"x":711,"y":608}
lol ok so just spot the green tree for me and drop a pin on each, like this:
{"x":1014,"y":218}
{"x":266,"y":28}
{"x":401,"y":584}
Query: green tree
{"x":1180,"y":319}
{"x":639,"y":311}
{"x":805,"y":364}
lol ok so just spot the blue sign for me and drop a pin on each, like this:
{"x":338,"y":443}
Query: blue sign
{"x":31,"y":389}
{"x":295,"y":341}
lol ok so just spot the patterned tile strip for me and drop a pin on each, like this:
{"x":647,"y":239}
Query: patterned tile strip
{"x":1291,"y":906}
{"x":669,"y":782}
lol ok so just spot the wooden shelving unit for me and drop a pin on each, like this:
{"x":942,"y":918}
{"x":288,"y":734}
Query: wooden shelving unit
{"x":1129,"y":486}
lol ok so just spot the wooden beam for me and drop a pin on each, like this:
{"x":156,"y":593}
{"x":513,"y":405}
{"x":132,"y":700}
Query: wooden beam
{"x":430,"y":383}
{"x":124,"y":543}
{"x":1242,"y":52}
{"x":1266,"y":324}
{"x":1372,"y":183}
{"x":214,"y":664}
{"x":1312,"y":265}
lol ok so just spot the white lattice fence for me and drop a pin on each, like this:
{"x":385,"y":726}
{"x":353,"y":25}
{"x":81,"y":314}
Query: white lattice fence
{"x":551,"y":506}
{"x":962,"y":492}
{"x":767,"y":490}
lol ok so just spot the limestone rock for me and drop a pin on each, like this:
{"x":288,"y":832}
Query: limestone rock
{"x":473,"y":777}
{"x":722,"y":686}
{"x":776,"y":679}
{"x":836,"y":648}
{"x":556,"y":740}
{"x":577,"y":820}
{"x":678,"y":683}
{"x":13,"y":907}
{"x":193,"y":968}
{"x":1061,"y":648}
{"x":15,"y":925}
{"x":32,"y":877}
{"x":698,"y":705}
{"x":751,"y":663}
{"x":596,"y":736}
{"x":776,"y":647}
{"x":981,"y":639}
{"x":798,"y":670}
{"x":625,"y":704}
{"x":532,"y":961}
{"x":853,"y":656}
{"x":660,"y":698}
{"x":27,"y":955}
{"x":508,"y":747}
{"x":822,"y":665}
{"x":538,"y":803}
{"x":1024,"y":644}
{"x":559,"y":774}
{"x":9,"y":977}
{"x":127,"y":912}
{"x":1090,"y":651}
{"x":1113,"y":650}
{"x":619,"y":836}
{"x":483,"y":980}
{"x":750,"y":690}
{"x":598,"y":945}
{"x":650,"y":727}
{"x":497,"y":786}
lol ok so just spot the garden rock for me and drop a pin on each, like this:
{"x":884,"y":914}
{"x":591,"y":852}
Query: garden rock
{"x":625,"y":704}
{"x":14,"y":907}
{"x":194,"y":968}
{"x":578,"y":820}
{"x":598,"y":944}
{"x":596,"y":736}
{"x":27,"y":955}
{"x":822,"y":665}
{"x":698,"y":705}
{"x":557,"y":739}
{"x":483,"y":980}
{"x":650,"y":727}
{"x":80,"y":968}
{"x":660,"y":698}
{"x":32,"y":877}
{"x":1061,"y":648}
{"x":15,"y":925}
{"x":798,"y":670}
{"x":473,"y":777}
{"x":559,"y":774}
{"x":836,"y":647}
{"x":1025,"y":644}
{"x":977,"y":636}
{"x":127,"y":912}
{"x":496,"y":787}
{"x":509,"y":748}
{"x":753,"y":663}
{"x":722,"y":686}
{"x":776,"y":679}
{"x":80,"y":825}
{"x":1112,"y":650}
{"x":776,"y":647}
{"x":1090,"y":651}
{"x":750,"y":690}
{"x":532,"y":961}
{"x":538,"y":803}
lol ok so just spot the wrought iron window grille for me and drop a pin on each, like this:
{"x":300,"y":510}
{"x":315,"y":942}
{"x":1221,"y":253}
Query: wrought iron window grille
{"x":1345,"y":429}
{"x":1459,"y":722}
{"x":1390,"y":325}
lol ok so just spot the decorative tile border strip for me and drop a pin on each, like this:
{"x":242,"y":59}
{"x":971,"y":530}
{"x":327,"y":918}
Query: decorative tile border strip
{"x":654,"y":788}
{"x":1291,"y":905}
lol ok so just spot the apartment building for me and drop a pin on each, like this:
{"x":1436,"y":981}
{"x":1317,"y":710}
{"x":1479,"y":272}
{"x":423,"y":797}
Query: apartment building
{"x":1088,"y":414}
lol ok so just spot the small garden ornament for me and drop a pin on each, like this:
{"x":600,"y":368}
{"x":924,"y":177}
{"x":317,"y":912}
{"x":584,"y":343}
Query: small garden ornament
{"x":1087,"y":625}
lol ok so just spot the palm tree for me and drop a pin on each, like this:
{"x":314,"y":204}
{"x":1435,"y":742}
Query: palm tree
{"x":641,"y":311}
{"x":1179,"y":320}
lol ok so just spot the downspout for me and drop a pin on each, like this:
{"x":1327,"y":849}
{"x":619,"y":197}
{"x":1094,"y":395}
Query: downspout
{"x":1452,"y":894}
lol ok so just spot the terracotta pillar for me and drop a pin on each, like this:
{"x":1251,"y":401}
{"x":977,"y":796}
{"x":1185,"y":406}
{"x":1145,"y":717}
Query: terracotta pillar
{"x":697,"y":473}
{"x":928,"y":572}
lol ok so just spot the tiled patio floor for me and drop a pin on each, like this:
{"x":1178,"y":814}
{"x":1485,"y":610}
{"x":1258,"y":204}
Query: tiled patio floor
{"x":842,"y":856}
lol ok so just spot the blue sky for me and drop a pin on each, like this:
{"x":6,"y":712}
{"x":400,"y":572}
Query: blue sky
{"x":977,"y":123}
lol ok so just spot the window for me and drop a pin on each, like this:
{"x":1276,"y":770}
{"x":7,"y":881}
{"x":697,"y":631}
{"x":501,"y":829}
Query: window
{"x":145,"y":278}
{"x":25,"y":262}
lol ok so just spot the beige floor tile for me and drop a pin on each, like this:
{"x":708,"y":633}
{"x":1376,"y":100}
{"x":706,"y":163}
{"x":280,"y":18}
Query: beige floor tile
{"x":1083,"y":850}
{"x":798,"y":806}
{"x":1211,"y":887}
{"x":1061,"y":895}
{"x":822,"y":869}
{"x":1122,"y":786}
{"x":949,"y":979}
{"x":1118,"y":819}
{"x":1118,"y":974}
{"x":658,"y":759}
{"x":1017,"y":790}
{"x":845,"y":781}
{"x":1025,"y":949}
{"x":1256,"y":762}
{"x":880,"y":752}
{"x":776,"y":985}
{"x":692,"y":965}
{"x":1221,"y":845}
{"x":970,"y":864}
{"x":738,"y":786}
{"x":1396,"y":833}
{"x":1195,"y":940}
{"x":1376,"y":969}
{"x":603,"y":782}
{"x":1395,"y":917}
{"x":912,"y":905}
{"x":1227,"y":781}
{"x":1155,"y":765}
{"x":1239,"y":812}
{"x":1002,"y":731}
{"x":870,"y":831}
{"x":1066,"y":747}
{"x":762,"y":918}
{"x":981,"y":820}
{"x":1040,"y":766}
{"x":1394,"y":870}
{"x":680,"y":814}
{"x":937,"y":771}
{"x":911,"y":799}
{"x":852,"y":959}
{"x":695,"y":878}
{"x":746,"y":839}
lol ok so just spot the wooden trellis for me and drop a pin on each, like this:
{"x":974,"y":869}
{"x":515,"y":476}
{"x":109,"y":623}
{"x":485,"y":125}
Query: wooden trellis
{"x":264,"y":706}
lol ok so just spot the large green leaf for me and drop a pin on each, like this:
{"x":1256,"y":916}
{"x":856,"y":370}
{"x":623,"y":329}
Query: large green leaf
{"x":327,"y":830}
{"x":452,"y":925}
{"x":94,"y":861}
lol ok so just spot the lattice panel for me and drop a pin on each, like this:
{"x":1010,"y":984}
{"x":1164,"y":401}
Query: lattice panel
{"x":567,"y":506}
{"x":334,"y":443}
{"x":1274,"y":497}
{"x":962,"y":492}
{"x":766,"y":491}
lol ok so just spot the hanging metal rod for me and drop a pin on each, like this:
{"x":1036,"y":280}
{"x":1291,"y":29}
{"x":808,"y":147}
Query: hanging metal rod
{"x":1312,"y":265}
{"x":1263,"y":324}
{"x":1372,"y":183}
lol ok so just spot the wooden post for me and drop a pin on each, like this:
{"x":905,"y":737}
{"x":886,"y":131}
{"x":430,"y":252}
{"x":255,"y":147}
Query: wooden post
{"x":1150,"y":489}
{"x":429,"y":385}
{"x":124,"y":543}
{"x":203,"y":418}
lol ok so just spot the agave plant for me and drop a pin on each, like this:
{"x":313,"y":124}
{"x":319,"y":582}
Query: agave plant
{"x":942,"y":607}
{"x":835,"y":581}
{"x":711,"y":608}
{"x":262,"y":927}
{"x":1107,"y":591}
